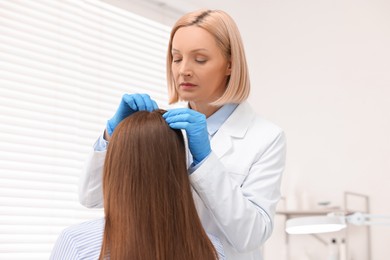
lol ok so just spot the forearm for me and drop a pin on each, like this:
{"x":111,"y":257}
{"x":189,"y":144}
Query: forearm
{"x":245,"y":225}
{"x":243,"y":203}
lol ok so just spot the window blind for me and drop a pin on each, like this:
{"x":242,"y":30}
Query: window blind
{"x":64,"y":66}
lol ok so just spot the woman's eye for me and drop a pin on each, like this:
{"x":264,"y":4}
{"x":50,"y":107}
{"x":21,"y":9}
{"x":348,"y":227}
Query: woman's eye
{"x":176,"y":60}
{"x":201,"y":61}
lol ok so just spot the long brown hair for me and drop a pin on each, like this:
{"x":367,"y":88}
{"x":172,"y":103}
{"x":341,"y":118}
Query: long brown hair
{"x":149,"y":210}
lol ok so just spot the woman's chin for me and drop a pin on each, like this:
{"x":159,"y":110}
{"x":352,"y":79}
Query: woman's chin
{"x":187,"y":97}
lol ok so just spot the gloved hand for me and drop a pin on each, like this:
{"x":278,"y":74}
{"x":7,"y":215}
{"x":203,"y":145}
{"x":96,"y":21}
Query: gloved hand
{"x":194,"y":123}
{"x":130,"y":103}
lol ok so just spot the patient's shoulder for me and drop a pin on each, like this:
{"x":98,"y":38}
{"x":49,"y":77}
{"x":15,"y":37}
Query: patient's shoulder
{"x":218,"y":246}
{"x":80,"y":241}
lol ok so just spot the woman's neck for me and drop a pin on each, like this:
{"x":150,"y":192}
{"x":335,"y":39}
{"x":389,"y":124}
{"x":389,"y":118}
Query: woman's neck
{"x":205,"y":109}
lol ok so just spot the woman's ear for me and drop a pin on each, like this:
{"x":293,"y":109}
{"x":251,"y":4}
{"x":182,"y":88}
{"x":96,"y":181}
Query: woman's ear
{"x":229,"y":68}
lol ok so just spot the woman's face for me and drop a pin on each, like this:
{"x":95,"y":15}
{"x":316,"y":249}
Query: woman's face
{"x":199,"y":68}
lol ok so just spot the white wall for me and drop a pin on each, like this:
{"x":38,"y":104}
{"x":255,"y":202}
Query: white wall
{"x":321,"y":70}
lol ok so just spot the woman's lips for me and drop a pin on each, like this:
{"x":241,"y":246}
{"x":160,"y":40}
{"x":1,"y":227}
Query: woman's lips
{"x":187,"y":85}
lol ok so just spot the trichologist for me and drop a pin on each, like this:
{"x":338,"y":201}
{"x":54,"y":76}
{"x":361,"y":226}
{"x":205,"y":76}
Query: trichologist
{"x":236,"y":158}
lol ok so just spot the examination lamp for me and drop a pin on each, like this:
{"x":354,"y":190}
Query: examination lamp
{"x":331,"y":222}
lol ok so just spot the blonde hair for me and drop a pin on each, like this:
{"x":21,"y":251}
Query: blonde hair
{"x":228,"y":39}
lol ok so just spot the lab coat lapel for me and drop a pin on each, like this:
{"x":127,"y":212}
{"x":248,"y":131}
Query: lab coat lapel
{"x":221,"y":143}
{"x":235,"y":126}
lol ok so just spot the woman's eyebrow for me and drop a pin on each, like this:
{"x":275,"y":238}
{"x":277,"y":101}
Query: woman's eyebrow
{"x":200,"y":49}
{"x":195,"y":50}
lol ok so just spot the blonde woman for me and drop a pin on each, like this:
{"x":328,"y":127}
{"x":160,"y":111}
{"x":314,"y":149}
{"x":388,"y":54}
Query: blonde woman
{"x":236,"y":158}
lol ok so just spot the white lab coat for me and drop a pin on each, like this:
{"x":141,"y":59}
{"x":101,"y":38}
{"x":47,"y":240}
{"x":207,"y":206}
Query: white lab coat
{"x":236,"y":188}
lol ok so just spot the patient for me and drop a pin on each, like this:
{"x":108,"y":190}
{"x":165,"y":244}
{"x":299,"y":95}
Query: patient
{"x":149,"y":210}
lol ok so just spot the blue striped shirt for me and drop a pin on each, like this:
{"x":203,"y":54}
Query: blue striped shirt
{"x":84,"y":241}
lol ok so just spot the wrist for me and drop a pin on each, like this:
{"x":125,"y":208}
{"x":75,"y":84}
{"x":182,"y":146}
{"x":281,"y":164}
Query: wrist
{"x":106,"y":136}
{"x":197,"y":161}
{"x":109,"y":129}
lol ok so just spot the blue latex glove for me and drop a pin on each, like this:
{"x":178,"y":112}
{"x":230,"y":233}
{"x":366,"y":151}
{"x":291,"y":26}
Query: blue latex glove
{"x":194,"y":123}
{"x":130,"y":103}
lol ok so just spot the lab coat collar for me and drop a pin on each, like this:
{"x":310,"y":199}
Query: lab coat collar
{"x":238,"y":123}
{"x":235,"y":126}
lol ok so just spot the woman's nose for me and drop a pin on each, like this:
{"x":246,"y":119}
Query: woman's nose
{"x":186,"y":73}
{"x":185,"y":70}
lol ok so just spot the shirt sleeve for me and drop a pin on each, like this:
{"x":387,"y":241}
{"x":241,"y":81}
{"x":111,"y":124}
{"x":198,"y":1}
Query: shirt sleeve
{"x":64,"y":248}
{"x":90,"y":182}
{"x":100,"y":144}
{"x":193,"y":167}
